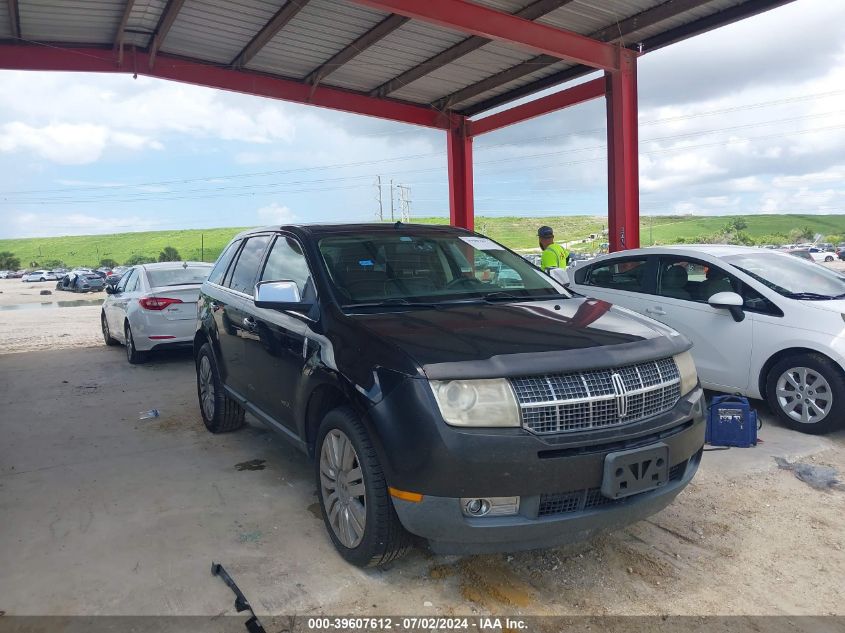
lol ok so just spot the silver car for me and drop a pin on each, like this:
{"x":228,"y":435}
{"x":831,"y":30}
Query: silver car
{"x":153,"y":306}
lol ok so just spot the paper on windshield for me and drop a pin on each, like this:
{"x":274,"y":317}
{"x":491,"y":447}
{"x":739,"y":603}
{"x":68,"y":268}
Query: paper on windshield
{"x":482,"y":243}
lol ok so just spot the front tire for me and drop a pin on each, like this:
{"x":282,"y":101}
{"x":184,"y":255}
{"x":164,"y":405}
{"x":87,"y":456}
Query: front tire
{"x":807,"y":391}
{"x":357,"y":510}
{"x":132,"y":355}
{"x":828,"y":258}
{"x":107,"y":337}
{"x":220,"y":413}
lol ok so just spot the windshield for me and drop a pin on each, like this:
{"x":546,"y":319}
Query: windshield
{"x":406,"y":267}
{"x":178,"y":276}
{"x":790,"y":276}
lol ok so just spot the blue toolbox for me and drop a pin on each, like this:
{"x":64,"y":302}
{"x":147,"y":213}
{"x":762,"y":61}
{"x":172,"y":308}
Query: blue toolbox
{"x":731,"y":422}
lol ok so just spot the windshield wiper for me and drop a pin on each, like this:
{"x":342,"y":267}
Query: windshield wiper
{"x":507,"y":296}
{"x":395,"y":301}
{"x":811,"y":296}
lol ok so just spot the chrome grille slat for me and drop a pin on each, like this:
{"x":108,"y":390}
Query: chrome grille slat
{"x":560,"y":403}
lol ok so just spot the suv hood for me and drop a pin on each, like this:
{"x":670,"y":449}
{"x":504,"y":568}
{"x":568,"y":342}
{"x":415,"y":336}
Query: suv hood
{"x":498,"y":340}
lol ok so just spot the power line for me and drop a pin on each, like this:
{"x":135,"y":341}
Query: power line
{"x":418,"y":156}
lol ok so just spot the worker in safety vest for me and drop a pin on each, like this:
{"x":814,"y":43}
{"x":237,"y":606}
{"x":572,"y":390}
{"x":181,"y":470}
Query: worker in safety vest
{"x":554,"y":255}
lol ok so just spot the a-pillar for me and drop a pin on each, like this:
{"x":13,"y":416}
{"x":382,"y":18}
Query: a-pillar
{"x":459,"y":146}
{"x":623,"y":178}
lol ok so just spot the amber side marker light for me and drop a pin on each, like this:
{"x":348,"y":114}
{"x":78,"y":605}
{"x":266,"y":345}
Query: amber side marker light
{"x":413,"y":497}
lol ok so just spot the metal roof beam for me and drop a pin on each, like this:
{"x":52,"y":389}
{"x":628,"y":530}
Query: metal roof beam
{"x":476,"y":19}
{"x":531,"y":12}
{"x":615,"y":33}
{"x":121,"y":30}
{"x":550,"y":103}
{"x":86,"y":59}
{"x":168,"y":17}
{"x":379,"y":31}
{"x":15,"y":19}
{"x":269,"y":31}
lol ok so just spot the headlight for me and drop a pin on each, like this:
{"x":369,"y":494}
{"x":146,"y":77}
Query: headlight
{"x":686,"y":368}
{"x":477,"y":402}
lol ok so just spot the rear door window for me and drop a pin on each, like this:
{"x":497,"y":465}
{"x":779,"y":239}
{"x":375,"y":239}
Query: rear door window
{"x":219,"y":270}
{"x":245,"y":271}
{"x":627,"y":274}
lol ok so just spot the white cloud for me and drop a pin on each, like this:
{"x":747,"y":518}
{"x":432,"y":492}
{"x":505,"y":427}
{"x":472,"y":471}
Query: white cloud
{"x":69,"y":144}
{"x":275,"y":213}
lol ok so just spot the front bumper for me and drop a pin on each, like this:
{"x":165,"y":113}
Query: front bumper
{"x":449,"y":531}
{"x":565,"y":469}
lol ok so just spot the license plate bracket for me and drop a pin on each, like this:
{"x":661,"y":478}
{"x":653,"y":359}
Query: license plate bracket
{"x":634,"y":471}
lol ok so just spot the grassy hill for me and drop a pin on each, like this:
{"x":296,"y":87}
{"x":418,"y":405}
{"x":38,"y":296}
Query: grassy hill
{"x":516,"y":232}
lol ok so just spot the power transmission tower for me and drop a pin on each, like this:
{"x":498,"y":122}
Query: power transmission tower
{"x":392,"y":219}
{"x":405,"y":202}
{"x":380,"y":212}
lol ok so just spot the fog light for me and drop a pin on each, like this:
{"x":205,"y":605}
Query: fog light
{"x":476,"y":507}
{"x":490,"y":506}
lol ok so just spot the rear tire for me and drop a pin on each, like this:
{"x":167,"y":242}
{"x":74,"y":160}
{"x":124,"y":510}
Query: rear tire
{"x":807,"y":392}
{"x":220,"y":413}
{"x":828,"y":258}
{"x":352,"y":484}
{"x":107,"y":337}
{"x":132,"y":355}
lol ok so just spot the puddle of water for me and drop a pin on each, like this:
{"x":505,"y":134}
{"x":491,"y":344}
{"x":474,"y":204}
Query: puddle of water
{"x":76,"y":303}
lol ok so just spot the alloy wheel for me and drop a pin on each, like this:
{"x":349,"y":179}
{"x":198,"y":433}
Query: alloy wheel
{"x":130,"y":344}
{"x":342,"y":488}
{"x":207,"y":391}
{"x":804,"y":395}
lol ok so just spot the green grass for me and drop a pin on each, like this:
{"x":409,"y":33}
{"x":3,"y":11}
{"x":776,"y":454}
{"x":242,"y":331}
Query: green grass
{"x":516,"y":232}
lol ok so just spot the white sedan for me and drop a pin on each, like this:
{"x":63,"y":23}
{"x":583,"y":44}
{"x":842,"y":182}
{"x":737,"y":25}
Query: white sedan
{"x":763,"y":324}
{"x":39,"y":275}
{"x":153,"y":306}
{"x":821,"y":255}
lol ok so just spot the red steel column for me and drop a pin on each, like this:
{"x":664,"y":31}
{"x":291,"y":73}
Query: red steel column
{"x":459,"y":146}
{"x":623,"y":176}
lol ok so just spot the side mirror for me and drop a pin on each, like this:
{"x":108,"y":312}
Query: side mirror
{"x":560,"y":275}
{"x":279,"y":295}
{"x":111,"y":290}
{"x":730,"y":301}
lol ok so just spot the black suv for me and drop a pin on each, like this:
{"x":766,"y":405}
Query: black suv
{"x":445,"y":387}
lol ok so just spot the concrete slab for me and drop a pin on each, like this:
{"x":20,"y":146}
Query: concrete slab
{"x":101,"y":513}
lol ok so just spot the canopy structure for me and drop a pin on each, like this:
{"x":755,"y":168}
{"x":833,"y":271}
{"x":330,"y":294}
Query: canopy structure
{"x":435,"y":63}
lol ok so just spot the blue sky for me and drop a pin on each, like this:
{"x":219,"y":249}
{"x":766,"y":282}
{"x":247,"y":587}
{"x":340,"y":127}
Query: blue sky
{"x":746,"y":119}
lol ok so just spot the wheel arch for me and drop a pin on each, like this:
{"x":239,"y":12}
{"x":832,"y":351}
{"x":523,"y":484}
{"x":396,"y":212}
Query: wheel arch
{"x":321,"y":400}
{"x":781,"y":354}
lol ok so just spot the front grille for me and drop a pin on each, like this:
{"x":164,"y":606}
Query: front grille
{"x":578,"y":500}
{"x":597,"y":399}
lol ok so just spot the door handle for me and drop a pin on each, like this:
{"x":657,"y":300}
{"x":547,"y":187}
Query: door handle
{"x":249,"y":324}
{"x":657,"y":310}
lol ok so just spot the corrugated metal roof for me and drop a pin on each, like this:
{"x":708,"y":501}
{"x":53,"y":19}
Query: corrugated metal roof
{"x":216,"y":31}
{"x":320,"y":30}
{"x":142,"y":21}
{"x":72,"y":21}
{"x":408,"y":46}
